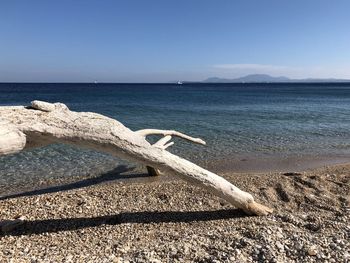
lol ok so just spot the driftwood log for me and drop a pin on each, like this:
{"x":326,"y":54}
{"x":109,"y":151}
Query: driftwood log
{"x":45,"y":123}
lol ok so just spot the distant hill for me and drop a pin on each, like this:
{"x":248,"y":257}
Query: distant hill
{"x":264,"y":78}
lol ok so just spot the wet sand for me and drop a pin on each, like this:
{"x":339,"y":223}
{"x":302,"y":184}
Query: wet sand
{"x":272,"y":163}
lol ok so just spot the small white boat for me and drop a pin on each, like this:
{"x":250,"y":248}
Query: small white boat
{"x":179,"y":83}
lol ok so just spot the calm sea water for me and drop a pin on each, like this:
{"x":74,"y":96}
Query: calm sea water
{"x":241,"y":123}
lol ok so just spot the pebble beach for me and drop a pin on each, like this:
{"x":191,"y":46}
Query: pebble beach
{"x":172,"y":221}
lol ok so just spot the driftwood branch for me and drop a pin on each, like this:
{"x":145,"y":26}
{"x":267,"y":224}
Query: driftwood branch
{"x":45,"y":123}
{"x":162,"y":144}
{"x":147,"y":132}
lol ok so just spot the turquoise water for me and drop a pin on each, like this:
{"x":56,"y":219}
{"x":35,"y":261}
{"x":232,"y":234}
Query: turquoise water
{"x":239,"y":122}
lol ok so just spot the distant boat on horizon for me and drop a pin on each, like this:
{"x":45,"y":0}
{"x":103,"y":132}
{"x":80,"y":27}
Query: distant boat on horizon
{"x":179,"y":83}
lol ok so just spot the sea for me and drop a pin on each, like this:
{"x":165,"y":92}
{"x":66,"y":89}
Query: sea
{"x":252,"y":128}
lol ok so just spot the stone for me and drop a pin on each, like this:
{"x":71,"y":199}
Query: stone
{"x":312,"y":251}
{"x":279,"y":246}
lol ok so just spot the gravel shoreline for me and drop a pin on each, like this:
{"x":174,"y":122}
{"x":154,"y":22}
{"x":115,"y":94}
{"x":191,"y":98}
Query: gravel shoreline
{"x":172,"y":221}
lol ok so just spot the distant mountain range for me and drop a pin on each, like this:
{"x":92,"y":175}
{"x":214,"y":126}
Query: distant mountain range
{"x":264,"y":78}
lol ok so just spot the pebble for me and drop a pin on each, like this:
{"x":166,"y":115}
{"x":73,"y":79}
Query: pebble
{"x":154,"y":260}
{"x":279,"y":246}
{"x":312,"y":251}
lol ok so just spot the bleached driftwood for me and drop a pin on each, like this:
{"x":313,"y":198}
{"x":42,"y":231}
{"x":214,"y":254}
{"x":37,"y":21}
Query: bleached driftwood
{"x":45,"y":123}
{"x":162,"y":144}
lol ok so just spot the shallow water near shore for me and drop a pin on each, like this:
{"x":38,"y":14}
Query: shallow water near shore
{"x":247,"y":127}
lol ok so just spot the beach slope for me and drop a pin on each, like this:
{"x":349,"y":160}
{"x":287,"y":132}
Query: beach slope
{"x":172,"y":221}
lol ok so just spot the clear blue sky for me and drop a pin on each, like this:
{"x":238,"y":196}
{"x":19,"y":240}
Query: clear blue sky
{"x":146,"y":41}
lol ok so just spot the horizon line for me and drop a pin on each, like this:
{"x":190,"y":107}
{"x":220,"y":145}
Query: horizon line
{"x":302,"y":81}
